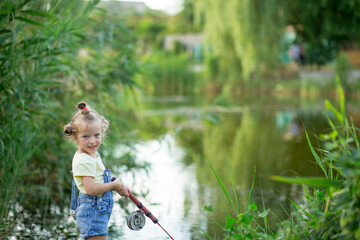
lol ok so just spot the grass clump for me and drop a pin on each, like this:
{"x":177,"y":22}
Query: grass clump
{"x":330,"y":203}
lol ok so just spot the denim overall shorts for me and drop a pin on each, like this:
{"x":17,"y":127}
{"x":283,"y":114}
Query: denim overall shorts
{"x":92,"y":212}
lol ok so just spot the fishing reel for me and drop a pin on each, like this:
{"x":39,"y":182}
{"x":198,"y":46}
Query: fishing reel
{"x":136,"y":220}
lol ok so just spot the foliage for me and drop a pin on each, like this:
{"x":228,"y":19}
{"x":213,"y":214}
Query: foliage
{"x":330,"y":206}
{"x":183,"y":22}
{"x":168,"y":74}
{"x":247,"y":38}
{"x":342,"y":69}
{"x":149,"y":29}
{"x":243,"y":34}
{"x":52,"y":56}
{"x":30,"y":50}
{"x":325,"y":26}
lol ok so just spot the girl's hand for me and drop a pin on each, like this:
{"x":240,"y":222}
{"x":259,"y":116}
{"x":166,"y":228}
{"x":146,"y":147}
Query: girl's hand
{"x":124,"y":191}
{"x":121,"y":189}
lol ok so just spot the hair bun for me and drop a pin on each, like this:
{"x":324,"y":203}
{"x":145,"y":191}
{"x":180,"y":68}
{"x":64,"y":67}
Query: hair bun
{"x":69,"y":130}
{"x":81,"y":105}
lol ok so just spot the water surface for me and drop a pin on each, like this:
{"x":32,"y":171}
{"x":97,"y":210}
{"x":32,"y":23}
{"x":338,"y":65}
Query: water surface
{"x":187,"y":135}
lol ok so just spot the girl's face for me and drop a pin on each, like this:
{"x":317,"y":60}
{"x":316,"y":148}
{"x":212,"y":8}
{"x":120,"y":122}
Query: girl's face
{"x":88,"y":137}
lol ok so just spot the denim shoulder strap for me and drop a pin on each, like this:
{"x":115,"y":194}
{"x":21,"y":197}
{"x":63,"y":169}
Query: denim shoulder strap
{"x":107,"y":176}
{"x":107,"y":179}
{"x":74,"y":195}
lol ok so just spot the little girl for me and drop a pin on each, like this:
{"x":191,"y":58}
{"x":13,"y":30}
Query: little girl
{"x":95,"y":202}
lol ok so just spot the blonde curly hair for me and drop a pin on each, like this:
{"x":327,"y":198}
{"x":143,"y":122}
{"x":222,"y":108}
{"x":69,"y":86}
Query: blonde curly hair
{"x":87,"y":114}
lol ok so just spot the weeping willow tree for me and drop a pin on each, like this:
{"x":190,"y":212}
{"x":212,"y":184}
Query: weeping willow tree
{"x":244,"y":35}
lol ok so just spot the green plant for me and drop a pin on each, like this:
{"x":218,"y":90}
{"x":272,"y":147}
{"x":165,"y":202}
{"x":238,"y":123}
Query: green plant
{"x":330,"y":206}
{"x":342,"y":69}
{"x":32,"y":41}
{"x":169,"y":73}
{"x":43,"y":75}
{"x":249,"y":224}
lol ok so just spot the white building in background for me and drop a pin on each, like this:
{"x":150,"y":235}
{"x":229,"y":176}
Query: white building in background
{"x":192,"y":42}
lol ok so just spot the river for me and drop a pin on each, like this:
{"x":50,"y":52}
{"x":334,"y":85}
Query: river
{"x":266,"y":135}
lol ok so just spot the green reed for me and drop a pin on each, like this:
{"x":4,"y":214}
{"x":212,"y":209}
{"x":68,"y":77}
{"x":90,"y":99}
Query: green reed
{"x":43,"y":76}
{"x":32,"y":41}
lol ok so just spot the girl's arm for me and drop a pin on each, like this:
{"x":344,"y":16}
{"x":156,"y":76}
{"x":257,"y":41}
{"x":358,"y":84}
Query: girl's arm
{"x":94,"y":189}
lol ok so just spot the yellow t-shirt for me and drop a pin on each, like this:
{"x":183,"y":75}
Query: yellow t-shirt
{"x":85,"y":165}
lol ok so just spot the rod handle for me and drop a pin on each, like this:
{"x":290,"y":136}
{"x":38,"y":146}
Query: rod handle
{"x":140,"y":205}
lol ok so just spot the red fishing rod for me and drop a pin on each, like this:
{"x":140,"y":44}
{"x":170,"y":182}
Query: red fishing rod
{"x":136,"y":220}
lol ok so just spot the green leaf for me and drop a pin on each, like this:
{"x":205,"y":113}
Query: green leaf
{"x":264,"y":213}
{"x":206,"y":233}
{"x":304,"y":211}
{"x":341,"y":97}
{"x":349,"y":140}
{"x":331,"y":145}
{"x":324,"y":136}
{"x":34,"y":147}
{"x":230,"y":221}
{"x":319,"y":162}
{"x":4,"y":31}
{"x":320,"y":195}
{"x":331,"y":108}
{"x":334,"y":133}
{"x":208,"y":208}
{"x":252,"y":188}
{"x":253,"y":206}
{"x":29,"y":21}
{"x":246,"y":219}
{"x":5,"y":37}
{"x":4,"y":12}
{"x":223,"y":187}
{"x":49,"y":82}
{"x":38,"y":13}
{"x":311,"y":181}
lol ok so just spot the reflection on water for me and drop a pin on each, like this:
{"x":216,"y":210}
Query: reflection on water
{"x":184,"y":135}
{"x":236,"y":138}
{"x":172,"y":194}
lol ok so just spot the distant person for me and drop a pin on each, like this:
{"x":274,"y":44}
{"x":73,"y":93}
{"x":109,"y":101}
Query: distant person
{"x":95,"y":202}
{"x":302,"y":56}
{"x":295,"y":53}
{"x":294,"y":129}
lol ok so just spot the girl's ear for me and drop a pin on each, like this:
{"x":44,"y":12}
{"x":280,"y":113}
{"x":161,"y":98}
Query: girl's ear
{"x":74,"y":137}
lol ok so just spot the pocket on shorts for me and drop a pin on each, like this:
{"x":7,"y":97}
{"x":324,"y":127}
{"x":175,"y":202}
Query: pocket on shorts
{"x":104,"y":206}
{"x":102,"y":215}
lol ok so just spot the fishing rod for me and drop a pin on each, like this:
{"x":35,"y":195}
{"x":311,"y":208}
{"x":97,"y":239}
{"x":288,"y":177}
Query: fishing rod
{"x":136,"y":220}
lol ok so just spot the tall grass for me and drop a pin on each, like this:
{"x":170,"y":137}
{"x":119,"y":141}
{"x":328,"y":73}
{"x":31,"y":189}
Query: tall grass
{"x":330,"y":205}
{"x":31,"y":42}
{"x":42,"y":77}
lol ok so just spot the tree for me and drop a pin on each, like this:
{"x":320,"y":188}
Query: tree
{"x":325,"y":26}
{"x":247,"y":35}
{"x":183,"y":22}
{"x":243,"y":35}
